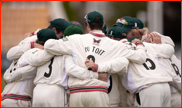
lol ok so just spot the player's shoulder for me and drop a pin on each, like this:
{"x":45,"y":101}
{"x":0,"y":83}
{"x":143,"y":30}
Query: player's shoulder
{"x":78,"y":37}
{"x":114,"y":42}
{"x":147,"y":44}
{"x":33,"y":51}
{"x":75,"y":36}
{"x":29,"y":39}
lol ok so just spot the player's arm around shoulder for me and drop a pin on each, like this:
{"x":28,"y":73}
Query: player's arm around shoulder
{"x":7,"y":73}
{"x":20,"y":74}
{"x":141,"y":50}
{"x":166,"y":51}
{"x":17,"y":73}
{"x":136,"y":55}
{"x":15,"y":52}
{"x":59,"y":47}
{"x":118,"y":65}
{"x":165,"y":39}
{"x":162,"y":50}
{"x":73,"y":70}
{"x":38,"y":57}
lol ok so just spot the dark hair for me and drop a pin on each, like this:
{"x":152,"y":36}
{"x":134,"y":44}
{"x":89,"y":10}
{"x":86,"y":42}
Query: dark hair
{"x":105,"y":32}
{"x":97,"y":26}
{"x":40,"y":42}
{"x":58,"y":30}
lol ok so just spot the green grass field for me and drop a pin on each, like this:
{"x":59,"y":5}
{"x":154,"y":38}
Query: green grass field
{"x":2,"y":83}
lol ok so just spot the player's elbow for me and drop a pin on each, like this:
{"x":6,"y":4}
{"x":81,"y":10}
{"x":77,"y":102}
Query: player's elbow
{"x":48,"y":45}
{"x":11,"y":57}
{"x":140,"y":59}
{"x":121,"y":67}
{"x":125,"y":66}
{"x":69,"y":70}
{"x":169,"y":51}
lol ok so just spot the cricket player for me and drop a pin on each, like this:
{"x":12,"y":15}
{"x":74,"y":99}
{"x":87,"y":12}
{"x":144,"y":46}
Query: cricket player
{"x":19,"y":93}
{"x":52,"y":76}
{"x":118,"y":93}
{"x":154,"y":78}
{"x":171,"y":65}
{"x":58,"y":25}
{"x":96,"y":46}
{"x":172,"y":68}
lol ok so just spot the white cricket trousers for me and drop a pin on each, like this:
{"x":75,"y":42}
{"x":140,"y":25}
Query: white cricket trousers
{"x":89,"y":99}
{"x":45,"y":95}
{"x":130,"y":99}
{"x":114,"y":95}
{"x":176,"y":99}
{"x":157,"y":95}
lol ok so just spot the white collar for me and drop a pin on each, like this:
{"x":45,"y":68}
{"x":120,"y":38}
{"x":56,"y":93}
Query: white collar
{"x":97,"y":31}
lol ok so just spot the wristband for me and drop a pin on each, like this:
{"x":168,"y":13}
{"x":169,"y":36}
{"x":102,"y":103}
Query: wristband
{"x":95,"y":68}
{"x":33,"y":33}
{"x":32,"y":44}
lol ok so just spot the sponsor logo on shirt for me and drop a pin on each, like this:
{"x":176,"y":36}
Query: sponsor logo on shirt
{"x":96,"y":42}
{"x":35,"y":51}
{"x":64,"y":39}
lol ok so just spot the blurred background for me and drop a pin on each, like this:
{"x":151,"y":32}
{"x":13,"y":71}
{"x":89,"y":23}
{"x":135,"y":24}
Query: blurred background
{"x":19,"y":17}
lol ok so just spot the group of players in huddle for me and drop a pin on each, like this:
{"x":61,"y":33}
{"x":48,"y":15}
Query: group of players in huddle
{"x":125,"y":66}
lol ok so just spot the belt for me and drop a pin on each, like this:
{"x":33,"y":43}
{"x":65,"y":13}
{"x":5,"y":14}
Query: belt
{"x":16,"y":97}
{"x":88,"y":89}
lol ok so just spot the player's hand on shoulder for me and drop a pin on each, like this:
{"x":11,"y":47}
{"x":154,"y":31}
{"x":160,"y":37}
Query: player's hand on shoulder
{"x":28,"y":34}
{"x":148,"y":38}
{"x":153,"y":38}
{"x":136,"y":41}
{"x":156,"y":38}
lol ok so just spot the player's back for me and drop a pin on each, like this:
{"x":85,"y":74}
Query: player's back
{"x":20,"y":87}
{"x":51,"y":72}
{"x":148,"y":73}
{"x":173,"y":70}
{"x":50,"y":76}
{"x":97,"y":48}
